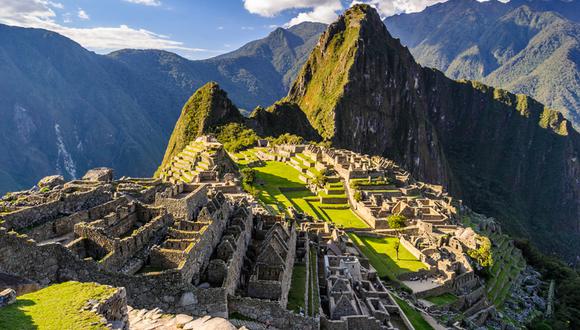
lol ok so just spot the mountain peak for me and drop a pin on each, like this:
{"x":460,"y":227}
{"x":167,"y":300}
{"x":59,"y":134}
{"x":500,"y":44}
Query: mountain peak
{"x":206,"y":109}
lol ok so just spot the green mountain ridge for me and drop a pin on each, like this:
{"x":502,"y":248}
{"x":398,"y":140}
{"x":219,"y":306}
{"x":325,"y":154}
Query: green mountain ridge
{"x":518,"y":46}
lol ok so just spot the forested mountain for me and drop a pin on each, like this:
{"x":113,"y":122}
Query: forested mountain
{"x":517,"y":46}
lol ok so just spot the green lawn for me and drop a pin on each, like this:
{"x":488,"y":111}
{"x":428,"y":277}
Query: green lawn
{"x":413,"y":315}
{"x":444,"y":299}
{"x":55,"y":307}
{"x":281,"y":188}
{"x":382,"y":255}
{"x":297,"y":288}
{"x":313,"y":306}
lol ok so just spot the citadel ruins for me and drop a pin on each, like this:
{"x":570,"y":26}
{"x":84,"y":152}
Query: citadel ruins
{"x":191,"y":241}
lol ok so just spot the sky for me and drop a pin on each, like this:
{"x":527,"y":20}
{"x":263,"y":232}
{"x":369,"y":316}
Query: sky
{"x":195,"y":29}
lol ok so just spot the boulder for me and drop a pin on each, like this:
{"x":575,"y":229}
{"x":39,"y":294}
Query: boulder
{"x":100,"y":174}
{"x":50,"y":182}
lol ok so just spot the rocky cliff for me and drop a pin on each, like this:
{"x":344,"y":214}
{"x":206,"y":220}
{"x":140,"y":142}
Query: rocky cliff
{"x":506,"y":155}
{"x":208,"y":108}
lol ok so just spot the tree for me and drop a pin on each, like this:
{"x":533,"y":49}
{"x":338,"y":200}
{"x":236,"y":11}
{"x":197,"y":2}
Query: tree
{"x":483,"y":254}
{"x":357,"y":196}
{"x":248,"y":175}
{"x":396,"y":221}
{"x":397,"y":246}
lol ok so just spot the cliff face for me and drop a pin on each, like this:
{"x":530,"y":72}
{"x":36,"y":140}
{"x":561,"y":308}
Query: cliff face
{"x":506,"y":155}
{"x":207,"y":108}
{"x":359,"y":90}
{"x":280,"y":118}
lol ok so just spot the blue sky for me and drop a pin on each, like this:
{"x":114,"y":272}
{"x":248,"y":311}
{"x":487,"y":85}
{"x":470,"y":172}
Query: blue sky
{"x":193,"y":28}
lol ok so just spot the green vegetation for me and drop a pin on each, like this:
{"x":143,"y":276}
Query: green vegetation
{"x":483,"y":255}
{"x":207,"y":108}
{"x":444,"y":299}
{"x":396,"y":221}
{"x":382,"y":255}
{"x":297,"y":288}
{"x":286,"y":138}
{"x":313,"y":294}
{"x":413,"y":315}
{"x":357,"y":183}
{"x":56,"y":307}
{"x":326,"y":72}
{"x":236,"y":137}
{"x":277,"y":185}
{"x":567,"y":301}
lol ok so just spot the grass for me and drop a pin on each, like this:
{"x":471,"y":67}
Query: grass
{"x":444,"y":299}
{"x":382,"y":255}
{"x":313,"y":287}
{"x":297,"y":288}
{"x":56,"y":307}
{"x":281,"y":188}
{"x":413,"y":315}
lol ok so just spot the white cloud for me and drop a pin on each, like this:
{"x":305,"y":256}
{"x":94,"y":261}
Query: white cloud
{"x":83,"y":15}
{"x":247,"y":27}
{"x":391,"y":7}
{"x":220,"y":27}
{"x":40,"y":14}
{"x":324,"y":11}
{"x":146,"y":2}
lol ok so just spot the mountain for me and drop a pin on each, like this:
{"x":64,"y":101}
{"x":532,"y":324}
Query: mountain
{"x":518,"y":46}
{"x":207,"y":108}
{"x":65,"y":109}
{"x":506,"y":155}
{"x":259,"y":73}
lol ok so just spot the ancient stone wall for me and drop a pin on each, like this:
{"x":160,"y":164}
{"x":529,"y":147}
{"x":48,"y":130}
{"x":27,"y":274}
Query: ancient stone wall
{"x":29,"y":217}
{"x":270,"y":312}
{"x":53,"y":263}
{"x":183,"y":200}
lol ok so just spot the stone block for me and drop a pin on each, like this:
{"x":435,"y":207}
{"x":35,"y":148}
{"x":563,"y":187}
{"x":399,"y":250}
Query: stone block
{"x":100,"y":174}
{"x":7,"y":297}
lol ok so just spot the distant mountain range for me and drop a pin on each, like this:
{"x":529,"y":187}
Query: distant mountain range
{"x":516,"y":45}
{"x":65,"y":109}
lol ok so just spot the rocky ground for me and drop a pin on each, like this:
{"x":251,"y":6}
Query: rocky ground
{"x":155,"y":319}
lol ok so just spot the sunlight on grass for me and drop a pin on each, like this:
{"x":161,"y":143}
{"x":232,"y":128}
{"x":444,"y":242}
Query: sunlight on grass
{"x":280,"y":187}
{"x":56,"y":307}
{"x":382,"y":255}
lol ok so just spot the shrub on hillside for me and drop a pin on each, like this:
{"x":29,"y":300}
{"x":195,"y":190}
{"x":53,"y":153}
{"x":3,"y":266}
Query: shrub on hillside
{"x":236,"y":137}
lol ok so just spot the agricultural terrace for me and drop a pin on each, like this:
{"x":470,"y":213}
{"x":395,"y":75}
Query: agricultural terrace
{"x":279,"y":187}
{"x":383,"y":256}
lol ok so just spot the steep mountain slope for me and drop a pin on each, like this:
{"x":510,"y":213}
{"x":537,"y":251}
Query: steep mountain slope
{"x":207,"y":108}
{"x":258,"y":73}
{"x":506,"y":155}
{"x":515,"y":46}
{"x":65,"y":109}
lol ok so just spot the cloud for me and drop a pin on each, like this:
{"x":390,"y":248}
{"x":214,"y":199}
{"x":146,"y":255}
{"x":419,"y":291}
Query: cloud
{"x":83,"y":15}
{"x":391,"y":7}
{"x":41,"y":14}
{"x":324,"y":11}
{"x":146,"y":2}
{"x":247,"y":27}
{"x":220,"y":27}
